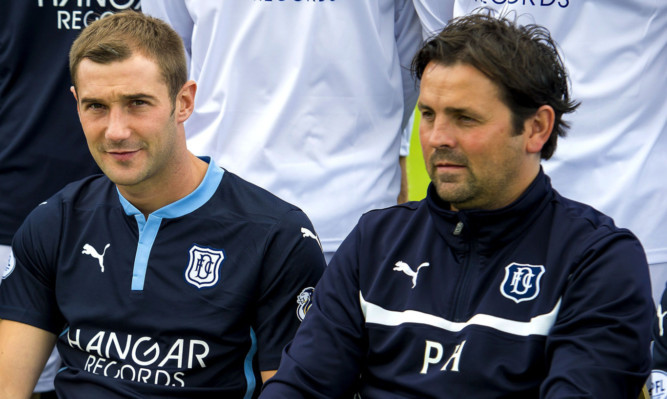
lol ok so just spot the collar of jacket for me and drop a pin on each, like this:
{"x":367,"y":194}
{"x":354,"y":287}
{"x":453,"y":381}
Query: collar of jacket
{"x":490,"y":228}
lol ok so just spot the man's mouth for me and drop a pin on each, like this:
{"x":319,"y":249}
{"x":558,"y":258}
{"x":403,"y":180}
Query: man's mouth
{"x":122,"y":155}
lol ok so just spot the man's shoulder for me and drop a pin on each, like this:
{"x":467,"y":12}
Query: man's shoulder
{"x":91,"y":190}
{"x":400,"y":214}
{"x":58,"y":214}
{"x":385,"y":227}
{"x":242,"y":197}
{"x":585,"y":224}
{"x":88,"y":194}
{"x":573,"y":211}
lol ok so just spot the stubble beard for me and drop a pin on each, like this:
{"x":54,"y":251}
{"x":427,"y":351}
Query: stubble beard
{"x":455,"y":190}
{"x":452,"y":188}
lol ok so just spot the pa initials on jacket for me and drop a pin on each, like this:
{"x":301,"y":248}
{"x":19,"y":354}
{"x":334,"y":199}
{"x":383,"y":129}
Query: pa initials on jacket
{"x":433,"y":354}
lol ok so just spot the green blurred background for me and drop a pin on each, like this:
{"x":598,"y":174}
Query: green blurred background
{"x":417,"y":178}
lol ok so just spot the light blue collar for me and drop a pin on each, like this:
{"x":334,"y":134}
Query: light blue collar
{"x":187,"y":204}
{"x":148,"y":228}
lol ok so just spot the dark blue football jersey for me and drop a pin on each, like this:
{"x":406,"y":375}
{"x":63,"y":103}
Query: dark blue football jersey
{"x":544,"y":298}
{"x":190,"y":303}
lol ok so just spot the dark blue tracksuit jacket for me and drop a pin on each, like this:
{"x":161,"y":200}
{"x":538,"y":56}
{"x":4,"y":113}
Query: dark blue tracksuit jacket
{"x":543,"y":298}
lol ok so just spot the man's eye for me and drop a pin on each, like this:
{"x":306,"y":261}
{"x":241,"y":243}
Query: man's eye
{"x":137,"y":103}
{"x":95,"y":106}
{"x":427,"y":114}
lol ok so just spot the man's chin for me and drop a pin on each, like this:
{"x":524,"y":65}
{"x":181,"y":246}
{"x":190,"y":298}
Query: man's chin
{"x":123,"y":179}
{"x":454,"y":193}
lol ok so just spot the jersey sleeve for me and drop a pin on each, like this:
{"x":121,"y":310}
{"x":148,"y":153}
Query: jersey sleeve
{"x":434,"y":15}
{"x":176,"y":14}
{"x":27,"y":294}
{"x":407,"y":32}
{"x":293,"y":264}
{"x":324,"y":360}
{"x":599,"y":346}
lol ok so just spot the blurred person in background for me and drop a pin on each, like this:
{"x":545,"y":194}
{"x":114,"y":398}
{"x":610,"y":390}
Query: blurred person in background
{"x":305,"y":99}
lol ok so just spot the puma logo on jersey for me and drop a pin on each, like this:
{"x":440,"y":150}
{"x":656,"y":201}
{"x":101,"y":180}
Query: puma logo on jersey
{"x":307,"y":233}
{"x":89,"y":250}
{"x":401,"y":266}
{"x":661,"y":319}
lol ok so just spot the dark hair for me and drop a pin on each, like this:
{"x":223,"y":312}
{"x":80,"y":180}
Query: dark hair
{"x":521,"y":60}
{"x":118,"y":36}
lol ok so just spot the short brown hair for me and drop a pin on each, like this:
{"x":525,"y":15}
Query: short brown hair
{"x":522,"y":61}
{"x":116,"y":37}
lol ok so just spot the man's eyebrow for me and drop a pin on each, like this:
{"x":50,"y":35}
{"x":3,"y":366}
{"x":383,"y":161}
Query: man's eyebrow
{"x":135,"y":96}
{"x":456,"y":111}
{"x":448,"y":110}
{"x":138,"y":96}
{"x":89,"y":100}
{"x":421,"y":105}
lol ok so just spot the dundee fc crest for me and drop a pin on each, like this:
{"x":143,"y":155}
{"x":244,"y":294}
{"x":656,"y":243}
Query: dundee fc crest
{"x":657,"y":384}
{"x":522,"y":282}
{"x":204,"y":266}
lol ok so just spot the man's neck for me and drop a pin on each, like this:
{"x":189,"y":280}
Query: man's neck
{"x":180,"y":182}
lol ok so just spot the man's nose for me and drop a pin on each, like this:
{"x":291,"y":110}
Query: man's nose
{"x":117,"y":127}
{"x":439,"y":133}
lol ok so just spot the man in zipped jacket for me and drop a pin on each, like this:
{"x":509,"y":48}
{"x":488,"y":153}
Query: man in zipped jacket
{"x":494,"y":285}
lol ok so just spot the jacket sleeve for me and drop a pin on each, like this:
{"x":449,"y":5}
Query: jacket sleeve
{"x":600,"y":344}
{"x":323,"y":360}
{"x":177,"y":15}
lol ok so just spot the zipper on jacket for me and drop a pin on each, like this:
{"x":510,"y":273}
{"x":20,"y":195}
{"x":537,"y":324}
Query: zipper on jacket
{"x":461,"y":299}
{"x":458,"y":229}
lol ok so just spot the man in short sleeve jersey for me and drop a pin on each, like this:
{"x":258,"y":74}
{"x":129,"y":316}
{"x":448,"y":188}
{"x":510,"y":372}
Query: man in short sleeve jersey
{"x":167,"y":276}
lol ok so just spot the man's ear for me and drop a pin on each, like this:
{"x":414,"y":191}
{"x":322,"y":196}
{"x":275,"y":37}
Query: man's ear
{"x":76,"y":99}
{"x":185,"y":101}
{"x":539,"y":127}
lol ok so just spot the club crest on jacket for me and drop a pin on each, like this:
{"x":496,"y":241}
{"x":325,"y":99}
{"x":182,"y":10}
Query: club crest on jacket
{"x":522,"y":282}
